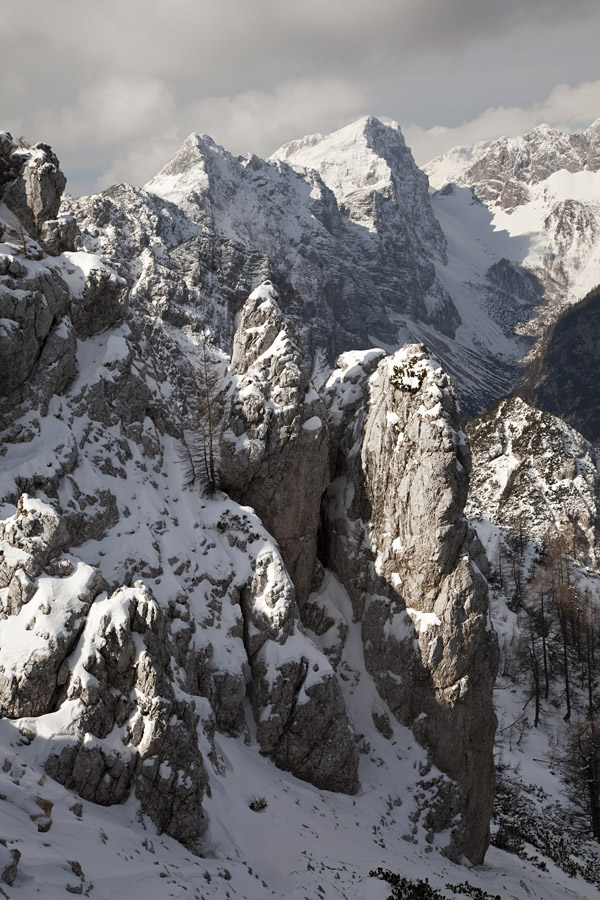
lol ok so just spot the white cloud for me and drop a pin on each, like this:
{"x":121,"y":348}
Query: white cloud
{"x":141,"y":160}
{"x":258,"y":121}
{"x":110,"y":111}
{"x":257,"y":73}
{"x":566,"y":108}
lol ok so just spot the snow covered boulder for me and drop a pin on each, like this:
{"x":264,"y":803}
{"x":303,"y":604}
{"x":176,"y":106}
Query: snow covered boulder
{"x":37,"y":531}
{"x":43,"y":601}
{"x":35,"y":190}
{"x":99,"y":297}
{"x":33,"y":303}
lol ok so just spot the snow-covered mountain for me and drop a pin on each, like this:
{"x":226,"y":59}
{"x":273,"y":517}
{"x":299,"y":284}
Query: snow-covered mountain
{"x":343,"y":223}
{"x":246,"y":640}
{"x":541,"y":193}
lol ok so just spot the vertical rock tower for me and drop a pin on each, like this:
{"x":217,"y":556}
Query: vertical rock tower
{"x":396,"y":536}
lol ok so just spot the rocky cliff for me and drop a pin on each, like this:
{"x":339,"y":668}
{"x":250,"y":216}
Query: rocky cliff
{"x":125,"y":645}
{"x":143,"y":618}
{"x":396,"y":536}
{"x":343,"y":223}
{"x":537,"y":478}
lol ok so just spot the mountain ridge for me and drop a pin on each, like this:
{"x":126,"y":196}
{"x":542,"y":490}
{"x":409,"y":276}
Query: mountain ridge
{"x":253,"y":634}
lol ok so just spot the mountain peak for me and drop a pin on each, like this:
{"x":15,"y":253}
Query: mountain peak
{"x":368,"y":130}
{"x":367,"y":156}
{"x":186,"y":175}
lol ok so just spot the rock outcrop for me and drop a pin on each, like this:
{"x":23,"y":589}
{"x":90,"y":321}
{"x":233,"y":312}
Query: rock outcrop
{"x":298,"y":705}
{"x":543,"y":183}
{"x":397,"y":538}
{"x":146,"y":615}
{"x":120,"y":687}
{"x":345,"y":222}
{"x":536,"y":477}
{"x":43,"y":614}
{"x":43,"y":309}
{"x":31,"y":186}
{"x":274,"y":453}
{"x":69,"y":656}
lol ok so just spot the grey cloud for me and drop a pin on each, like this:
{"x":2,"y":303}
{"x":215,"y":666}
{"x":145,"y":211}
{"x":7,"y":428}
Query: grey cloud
{"x":237,"y":68}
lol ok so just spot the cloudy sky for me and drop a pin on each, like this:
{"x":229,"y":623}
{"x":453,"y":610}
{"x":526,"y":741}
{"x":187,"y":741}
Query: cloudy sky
{"x":115,"y":86}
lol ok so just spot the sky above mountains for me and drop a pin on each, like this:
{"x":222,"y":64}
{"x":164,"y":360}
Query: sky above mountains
{"x":116,"y":86}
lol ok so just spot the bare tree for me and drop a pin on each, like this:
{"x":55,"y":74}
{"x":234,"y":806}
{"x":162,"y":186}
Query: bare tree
{"x":200,"y":445}
{"x":581,"y":768}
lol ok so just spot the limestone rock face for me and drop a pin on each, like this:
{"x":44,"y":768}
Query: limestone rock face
{"x":547,"y":179}
{"x":537,"y":477}
{"x":396,"y":536}
{"x":104,"y":663}
{"x":298,"y":705}
{"x":35,"y":312}
{"x":274,"y":453}
{"x":101,"y":301}
{"x":43,"y":606}
{"x":34,"y":192}
{"x":43,"y":310}
{"x":563,"y":377}
{"x":245,"y":639}
{"x":529,"y":159}
{"x":120,"y":683}
{"x":59,"y":235}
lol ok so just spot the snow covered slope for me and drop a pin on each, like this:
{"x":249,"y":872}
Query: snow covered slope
{"x":542,"y":194}
{"x":193,"y":702}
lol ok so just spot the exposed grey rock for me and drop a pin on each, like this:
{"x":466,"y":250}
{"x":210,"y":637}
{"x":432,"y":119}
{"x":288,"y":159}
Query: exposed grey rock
{"x":119,"y":393}
{"x":537,"y":477}
{"x":123,"y":686}
{"x":34,"y":307}
{"x":9,"y":863}
{"x":43,"y":615}
{"x":274,"y":453}
{"x":103,"y":301}
{"x":562,"y":379}
{"x":344,"y":222}
{"x":307,"y":731}
{"x":35,"y":191}
{"x":298,"y":705}
{"x":37,"y":530}
{"x":147,"y":674}
{"x":59,"y":235}
{"x":507,"y":165}
{"x":397,"y":538}
{"x":41,"y":318}
{"x":509,"y":175}
{"x":58,"y":648}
